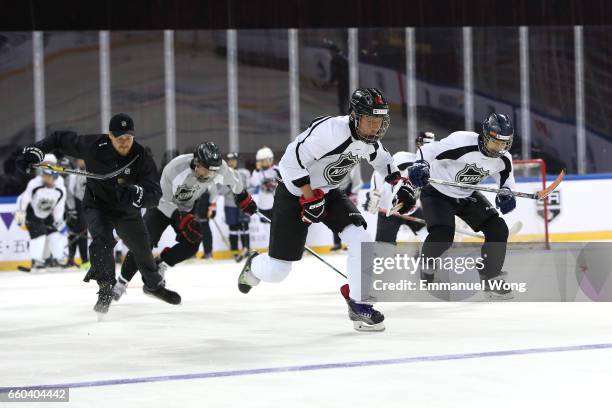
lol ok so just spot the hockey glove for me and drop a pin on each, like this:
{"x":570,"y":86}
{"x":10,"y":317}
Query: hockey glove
{"x":372,"y":201}
{"x":29,"y":156}
{"x":130,"y":194}
{"x":418,"y":173}
{"x":72,"y":219}
{"x":188,"y":227}
{"x":245,"y":202}
{"x":313,"y":209}
{"x":58,"y":224}
{"x":505,"y":201}
{"x":406,"y":196}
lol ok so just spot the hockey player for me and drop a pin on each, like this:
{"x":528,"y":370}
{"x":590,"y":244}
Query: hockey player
{"x":77,"y":235}
{"x":311,"y":168}
{"x":236,"y":220}
{"x":112,"y":204}
{"x":379,"y":198}
{"x":468,"y":157}
{"x":265,"y":177}
{"x":41,"y":207}
{"x":183,"y":181}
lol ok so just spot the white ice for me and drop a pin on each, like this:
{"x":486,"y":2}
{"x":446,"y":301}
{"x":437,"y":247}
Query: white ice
{"x":50,"y":335}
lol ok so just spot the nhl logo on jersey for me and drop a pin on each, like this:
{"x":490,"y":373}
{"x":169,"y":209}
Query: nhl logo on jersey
{"x":336,"y":171}
{"x":554,"y":206}
{"x":185,"y":193}
{"x":471,"y":174}
{"x":46,"y":204}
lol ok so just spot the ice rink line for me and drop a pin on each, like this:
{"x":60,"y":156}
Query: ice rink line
{"x":314,"y":367}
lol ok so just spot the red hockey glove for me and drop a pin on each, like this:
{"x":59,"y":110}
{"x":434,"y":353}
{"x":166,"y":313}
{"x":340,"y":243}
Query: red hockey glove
{"x":313,"y":209}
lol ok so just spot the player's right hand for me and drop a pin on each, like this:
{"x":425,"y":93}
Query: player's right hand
{"x":313,"y":209}
{"x":418,"y":173}
{"x":29,"y":156}
{"x":372,"y":201}
{"x":188,"y":227}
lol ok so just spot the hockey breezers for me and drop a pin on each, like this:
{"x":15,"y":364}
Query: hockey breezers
{"x":310,"y":251}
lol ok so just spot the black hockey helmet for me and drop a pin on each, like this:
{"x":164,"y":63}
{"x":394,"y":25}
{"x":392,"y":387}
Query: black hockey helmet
{"x":231,"y":156}
{"x":207,"y":155}
{"x":496,"y":127}
{"x":425,"y":137}
{"x":369,"y":102}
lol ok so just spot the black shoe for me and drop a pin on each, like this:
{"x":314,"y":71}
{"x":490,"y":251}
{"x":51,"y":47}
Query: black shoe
{"x":496,"y":288}
{"x":336,"y":247}
{"x":164,"y":294}
{"x":105,"y":295}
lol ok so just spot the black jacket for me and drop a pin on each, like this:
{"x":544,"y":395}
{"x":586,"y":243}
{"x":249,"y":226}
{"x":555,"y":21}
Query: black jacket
{"x":101,"y":158}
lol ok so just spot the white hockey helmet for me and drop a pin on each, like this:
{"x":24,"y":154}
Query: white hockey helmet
{"x":50,"y":158}
{"x":265,"y":153}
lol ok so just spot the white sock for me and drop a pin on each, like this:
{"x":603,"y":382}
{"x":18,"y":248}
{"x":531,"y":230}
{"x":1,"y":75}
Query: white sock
{"x":353,"y":236}
{"x":270,"y":269}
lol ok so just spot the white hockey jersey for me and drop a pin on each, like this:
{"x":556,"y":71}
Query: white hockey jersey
{"x":226,"y":191}
{"x":44,"y":200}
{"x":458,"y":158}
{"x":181,"y":188}
{"x":75,"y":189}
{"x":265,"y":198}
{"x":326,"y":152}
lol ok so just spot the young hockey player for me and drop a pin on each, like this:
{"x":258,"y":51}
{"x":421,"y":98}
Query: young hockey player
{"x":379,"y":198}
{"x":236,"y":220}
{"x":468,"y":157}
{"x":265,"y":177}
{"x":112,"y":204}
{"x":41,"y":207}
{"x":312,"y":167}
{"x":183,"y":181}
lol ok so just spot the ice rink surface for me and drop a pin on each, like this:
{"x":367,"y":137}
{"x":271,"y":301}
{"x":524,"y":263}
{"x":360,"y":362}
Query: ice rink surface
{"x":292,"y":345}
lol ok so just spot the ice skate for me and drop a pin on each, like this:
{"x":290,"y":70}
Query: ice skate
{"x":105,"y":295}
{"x":162,"y":293}
{"x":494,"y":287}
{"x":363,"y":315}
{"x":119,"y":288}
{"x":247,"y":280}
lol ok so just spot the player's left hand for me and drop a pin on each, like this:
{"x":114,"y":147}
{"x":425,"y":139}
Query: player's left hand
{"x":505,"y":201}
{"x":189,"y":227}
{"x":406,"y":196}
{"x":130,"y":194}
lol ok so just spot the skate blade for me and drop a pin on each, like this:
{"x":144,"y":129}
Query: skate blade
{"x":497,"y":296}
{"x":364,"y":327}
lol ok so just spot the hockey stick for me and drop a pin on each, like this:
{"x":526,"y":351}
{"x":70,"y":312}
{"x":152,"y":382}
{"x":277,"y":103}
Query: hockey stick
{"x":225,"y":241}
{"x":310,"y":251}
{"x":539,"y":195}
{"x":516,"y":227}
{"x":65,"y":170}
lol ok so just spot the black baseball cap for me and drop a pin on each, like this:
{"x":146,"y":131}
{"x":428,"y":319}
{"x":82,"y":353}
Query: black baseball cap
{"x":120,"y":124}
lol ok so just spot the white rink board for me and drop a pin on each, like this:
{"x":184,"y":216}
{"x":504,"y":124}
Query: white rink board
{"x":584,"y":207}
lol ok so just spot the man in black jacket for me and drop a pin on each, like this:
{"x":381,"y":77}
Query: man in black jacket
{"x":112,"y":204}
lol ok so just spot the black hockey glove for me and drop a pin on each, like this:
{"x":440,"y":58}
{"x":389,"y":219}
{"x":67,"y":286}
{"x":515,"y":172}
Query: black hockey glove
{"x":245,"y":202}
{"x":29,"y":156}
{"x":418,"y":173}
{"x":72,"y":219}
{"x":188,"y":227}
{"x":313,"y":209}
{"x":130,"y":194}
{"x":505,"y":201}
{"x":406,"y":196}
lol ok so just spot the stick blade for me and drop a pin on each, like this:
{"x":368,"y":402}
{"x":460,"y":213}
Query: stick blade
{"x":544,"y":193}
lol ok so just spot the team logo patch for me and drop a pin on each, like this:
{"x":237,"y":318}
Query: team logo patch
{"x":336,"y":171}
{"x":554,"y":206}
{"x":185,"y":193}
{"x":127,"y":171}
{"x":46,"y":204}
{"x":471,"y":174}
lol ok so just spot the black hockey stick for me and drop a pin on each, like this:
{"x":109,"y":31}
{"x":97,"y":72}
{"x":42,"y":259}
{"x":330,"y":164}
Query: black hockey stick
{"x":85,"y":173}
{"x":310,"y":251}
